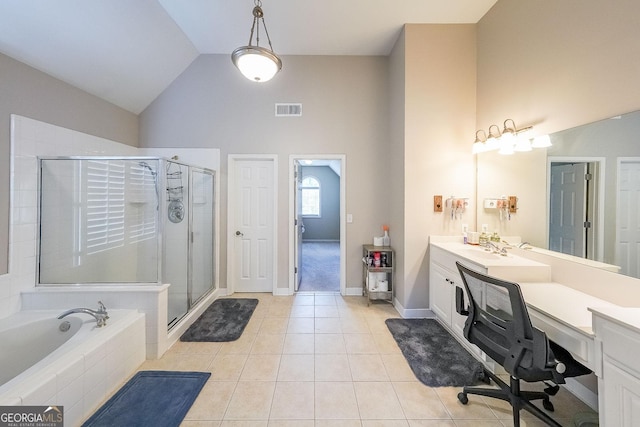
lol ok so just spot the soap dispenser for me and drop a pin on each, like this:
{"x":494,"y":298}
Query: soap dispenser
{"x":484,"y":236}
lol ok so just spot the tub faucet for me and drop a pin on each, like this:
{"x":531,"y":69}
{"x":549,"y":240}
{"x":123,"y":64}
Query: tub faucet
{"x":100,"y":315}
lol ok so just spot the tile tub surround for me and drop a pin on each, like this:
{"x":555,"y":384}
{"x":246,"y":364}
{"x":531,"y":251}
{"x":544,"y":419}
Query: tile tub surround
{"x":81,"y":378}
{"x":146,"y":299}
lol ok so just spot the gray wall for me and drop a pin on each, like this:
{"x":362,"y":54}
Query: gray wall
{"x":345,"y":111}
{"x":28,"y":92}
{"x":327,"y":227}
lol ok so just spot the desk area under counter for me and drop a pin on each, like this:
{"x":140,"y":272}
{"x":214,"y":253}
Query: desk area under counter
{"x":589,"y":311}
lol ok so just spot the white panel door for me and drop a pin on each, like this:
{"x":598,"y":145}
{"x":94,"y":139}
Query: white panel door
{"x":253,"y":223}
{"x":628,"y":222}
{"x":567,"y":209}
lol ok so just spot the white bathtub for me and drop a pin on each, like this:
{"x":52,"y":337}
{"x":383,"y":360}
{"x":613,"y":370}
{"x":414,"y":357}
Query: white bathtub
{"x":78,"y":372}
{"x":26,"y":343}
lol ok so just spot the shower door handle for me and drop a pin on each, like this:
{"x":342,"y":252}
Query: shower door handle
{"x":239,"y":233}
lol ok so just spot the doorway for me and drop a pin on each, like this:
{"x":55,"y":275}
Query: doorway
{"x":317,"y":212}
{"x":575,"y":207}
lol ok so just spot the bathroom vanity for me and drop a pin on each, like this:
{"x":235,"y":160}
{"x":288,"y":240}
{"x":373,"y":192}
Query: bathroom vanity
{"x":592,"y":312}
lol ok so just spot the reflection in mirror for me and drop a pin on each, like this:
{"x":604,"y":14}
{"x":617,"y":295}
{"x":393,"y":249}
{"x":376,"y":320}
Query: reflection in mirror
{"x":558,"y":209}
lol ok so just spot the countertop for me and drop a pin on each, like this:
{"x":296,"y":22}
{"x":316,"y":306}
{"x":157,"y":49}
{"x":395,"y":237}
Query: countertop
{"x":564,"y":304}
{"x":625,"y":316}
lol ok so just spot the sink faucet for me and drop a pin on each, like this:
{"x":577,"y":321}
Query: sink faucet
{"x":100,"y":315}
{"x":490,"y":246}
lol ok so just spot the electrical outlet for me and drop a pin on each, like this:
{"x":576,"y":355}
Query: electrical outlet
{"x":437,"y":203}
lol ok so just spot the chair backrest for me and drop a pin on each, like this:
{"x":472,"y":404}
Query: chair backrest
{"x":500,"y":326}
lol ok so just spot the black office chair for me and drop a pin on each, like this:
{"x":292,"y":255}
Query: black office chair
{"x":499,"y":324}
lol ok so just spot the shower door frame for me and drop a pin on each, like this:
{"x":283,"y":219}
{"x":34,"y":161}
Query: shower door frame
{"x":190,"y":300}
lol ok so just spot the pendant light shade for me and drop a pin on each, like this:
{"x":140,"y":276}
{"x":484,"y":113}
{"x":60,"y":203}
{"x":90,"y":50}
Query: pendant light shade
{"x":256,"y":63}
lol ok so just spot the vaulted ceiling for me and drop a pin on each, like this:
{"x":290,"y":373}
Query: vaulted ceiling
{"x":128,"y":51}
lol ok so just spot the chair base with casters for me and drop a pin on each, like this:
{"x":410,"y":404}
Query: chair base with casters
{"x":512,"y":394}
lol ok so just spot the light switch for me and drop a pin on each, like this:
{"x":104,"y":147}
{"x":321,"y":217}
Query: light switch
{"x":349,"y":218}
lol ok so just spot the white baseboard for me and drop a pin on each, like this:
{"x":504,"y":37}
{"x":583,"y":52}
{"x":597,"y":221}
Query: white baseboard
{"x":282,"y":292}
{"x":354,"y":292}
{"x":413,"y":313}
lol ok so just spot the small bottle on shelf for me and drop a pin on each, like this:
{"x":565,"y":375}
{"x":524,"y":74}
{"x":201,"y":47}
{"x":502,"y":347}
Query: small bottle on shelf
{"x":386,"y":241}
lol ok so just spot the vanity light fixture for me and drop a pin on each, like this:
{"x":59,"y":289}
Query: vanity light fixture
{"x":479,"y":145}
{"x":510,"y":140}
{"x":257,"y":63}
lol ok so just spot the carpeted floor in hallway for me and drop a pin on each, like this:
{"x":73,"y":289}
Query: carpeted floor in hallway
{"x":320,"y":267}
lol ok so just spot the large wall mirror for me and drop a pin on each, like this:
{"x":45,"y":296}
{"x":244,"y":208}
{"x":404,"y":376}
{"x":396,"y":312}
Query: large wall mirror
{"x":580,"y":197}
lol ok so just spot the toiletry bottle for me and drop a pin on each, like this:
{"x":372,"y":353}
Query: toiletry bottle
{"x":376,"y":259}
{"x":495,"y":237}
{"x":484,"y":238}
{"x":385,"y":239}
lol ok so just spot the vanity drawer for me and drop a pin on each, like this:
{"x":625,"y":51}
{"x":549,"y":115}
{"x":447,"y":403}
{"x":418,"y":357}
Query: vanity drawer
{"x":448,"y":261}
{"x":581,"y":347}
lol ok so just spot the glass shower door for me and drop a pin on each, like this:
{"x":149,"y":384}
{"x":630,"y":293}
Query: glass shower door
{"x":202,"y":234}
{"x":176,"y":240}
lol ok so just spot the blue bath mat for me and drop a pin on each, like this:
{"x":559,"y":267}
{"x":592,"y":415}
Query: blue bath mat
{"x":151,"y":398}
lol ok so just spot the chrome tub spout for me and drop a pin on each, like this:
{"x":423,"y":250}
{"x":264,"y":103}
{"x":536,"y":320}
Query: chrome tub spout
{"x":100,"y":315}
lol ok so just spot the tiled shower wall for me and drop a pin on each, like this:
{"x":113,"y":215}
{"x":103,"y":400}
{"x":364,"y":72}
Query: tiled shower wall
{"x":29,"y":139}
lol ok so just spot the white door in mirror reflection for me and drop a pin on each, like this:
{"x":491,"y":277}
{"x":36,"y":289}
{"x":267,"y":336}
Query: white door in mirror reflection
{"x":568,"y":208}
{"x":628,"y":229}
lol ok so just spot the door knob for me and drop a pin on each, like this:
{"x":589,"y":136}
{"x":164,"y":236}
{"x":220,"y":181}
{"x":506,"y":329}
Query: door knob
{"x":238,"y":233}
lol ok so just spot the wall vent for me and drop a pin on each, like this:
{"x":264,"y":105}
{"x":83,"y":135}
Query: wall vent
{"x":288,"y":110}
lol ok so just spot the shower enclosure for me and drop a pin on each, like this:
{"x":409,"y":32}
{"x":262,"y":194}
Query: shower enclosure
{"x":128,"y":221}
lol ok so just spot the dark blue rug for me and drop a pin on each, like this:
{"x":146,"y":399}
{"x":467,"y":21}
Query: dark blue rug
{"x":151,"y":398}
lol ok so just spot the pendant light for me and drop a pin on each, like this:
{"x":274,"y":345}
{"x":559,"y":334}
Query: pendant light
{"x":257,"y":63}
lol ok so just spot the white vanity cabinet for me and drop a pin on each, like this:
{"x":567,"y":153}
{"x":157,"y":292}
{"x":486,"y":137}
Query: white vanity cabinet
{"x":443,"y":279}
{"x":619,"y":382}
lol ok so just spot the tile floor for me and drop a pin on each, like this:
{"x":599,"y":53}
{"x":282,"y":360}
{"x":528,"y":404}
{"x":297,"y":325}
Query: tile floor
{"x":327,"y":361}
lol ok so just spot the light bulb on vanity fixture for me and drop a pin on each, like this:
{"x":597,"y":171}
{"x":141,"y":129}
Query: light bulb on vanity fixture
{"x":493,"y":142}
{"x":480,"y":144}
{"x":256,"y":63}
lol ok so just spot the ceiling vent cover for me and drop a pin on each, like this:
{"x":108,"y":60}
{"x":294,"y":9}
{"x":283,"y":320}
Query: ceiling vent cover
{"x":288,"y":110}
